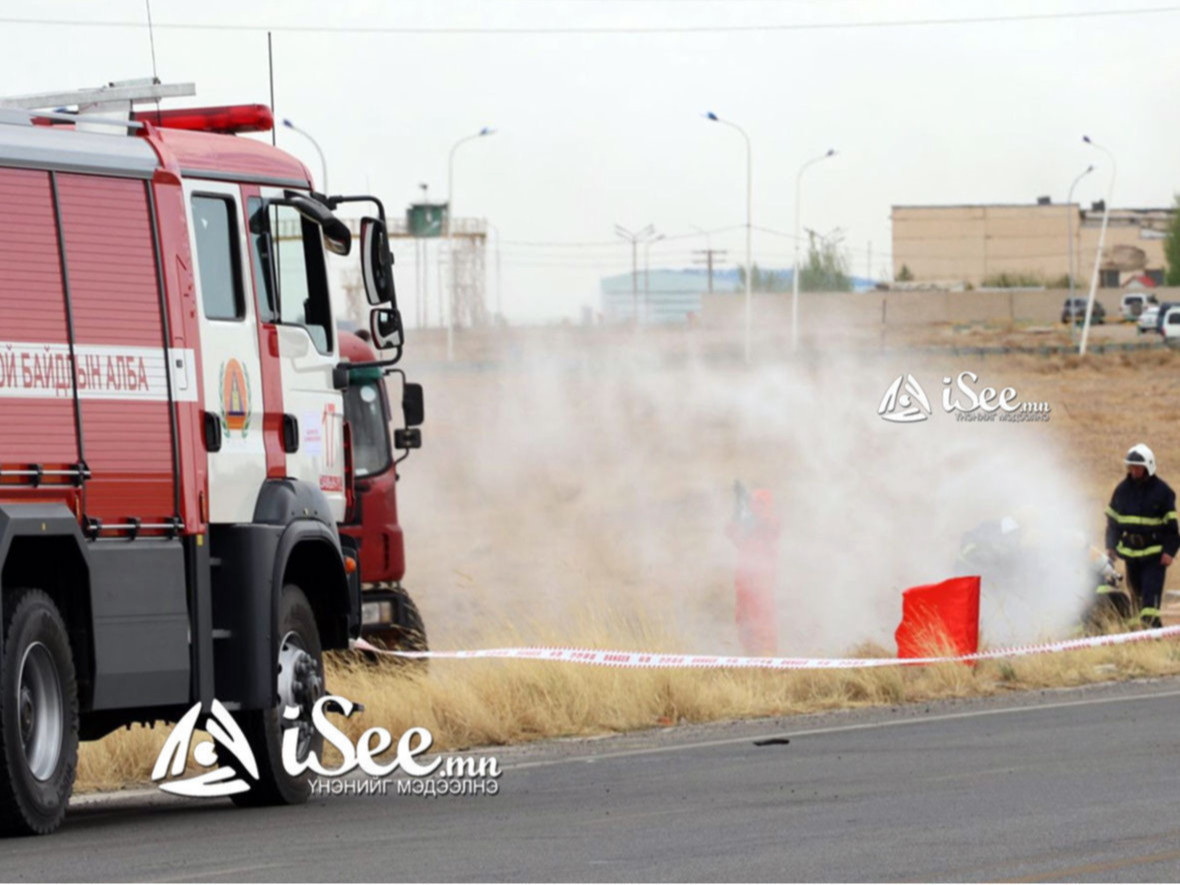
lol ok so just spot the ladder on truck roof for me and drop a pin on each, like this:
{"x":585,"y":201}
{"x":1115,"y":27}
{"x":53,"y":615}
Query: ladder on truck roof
{"x":114,"y":97}
{"x":109,"y":105}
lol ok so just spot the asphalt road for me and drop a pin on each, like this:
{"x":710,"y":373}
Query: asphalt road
{"x":1081,"y":785}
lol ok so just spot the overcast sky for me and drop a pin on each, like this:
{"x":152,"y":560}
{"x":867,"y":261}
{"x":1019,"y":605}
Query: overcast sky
{"x":597,"y":128}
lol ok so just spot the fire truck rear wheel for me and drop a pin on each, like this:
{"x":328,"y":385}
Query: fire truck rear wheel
{"x":38,"y":716}
{"x":409,"y":634}
{"x":300,"y":684}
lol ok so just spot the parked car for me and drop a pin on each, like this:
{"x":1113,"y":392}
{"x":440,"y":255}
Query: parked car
{"x":1161,"y":316}
{"x":1149,"y":319}
{"x":1076,"y":308}
{"x":1169,"y":326}
{"x":1134,"y":303}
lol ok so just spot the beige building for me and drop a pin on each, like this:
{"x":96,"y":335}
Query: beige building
{"x":976,"y":244}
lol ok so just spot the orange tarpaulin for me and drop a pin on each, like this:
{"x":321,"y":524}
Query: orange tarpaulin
{"x":939,"y":619}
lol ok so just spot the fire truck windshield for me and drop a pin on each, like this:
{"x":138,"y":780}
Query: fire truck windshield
{"x":365,"y":409}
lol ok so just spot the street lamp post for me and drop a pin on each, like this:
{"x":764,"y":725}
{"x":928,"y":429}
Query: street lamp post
{"x":487,"y":130}
{"x":1101,"y":243}
{"x":421,"y":268}
{"x":795,"y":270}
{"x":1069,"y":239}
{"x":749,"y":223}
{"x":499,"y":291}
{"x":315,"y":144}
{"x":647,"y":274}
{"x":634,"y":239}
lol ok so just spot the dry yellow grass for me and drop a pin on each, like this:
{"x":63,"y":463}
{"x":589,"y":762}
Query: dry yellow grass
{"x":476,"y":703}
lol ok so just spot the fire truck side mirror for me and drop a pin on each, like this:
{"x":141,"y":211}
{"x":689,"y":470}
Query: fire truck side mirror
{"x":377,"y":263}
{"x":413,"y":404}
{"x":337,"y":236}
{"x":385,"y":326}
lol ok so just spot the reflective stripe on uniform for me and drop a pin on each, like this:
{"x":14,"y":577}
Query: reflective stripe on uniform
{"x":1146,"y":551}
{"x":1139,"y":520}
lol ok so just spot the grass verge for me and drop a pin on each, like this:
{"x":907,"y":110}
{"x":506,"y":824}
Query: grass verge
{"x":494,"y":702}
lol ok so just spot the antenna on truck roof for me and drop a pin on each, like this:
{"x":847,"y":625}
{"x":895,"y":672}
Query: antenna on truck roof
{"x":152,"y":44}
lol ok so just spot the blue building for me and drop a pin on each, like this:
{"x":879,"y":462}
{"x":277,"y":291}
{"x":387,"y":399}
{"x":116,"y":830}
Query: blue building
{"x":673,"y":296}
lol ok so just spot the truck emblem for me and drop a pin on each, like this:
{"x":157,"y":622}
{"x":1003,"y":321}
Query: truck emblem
{"x":235,"y":398}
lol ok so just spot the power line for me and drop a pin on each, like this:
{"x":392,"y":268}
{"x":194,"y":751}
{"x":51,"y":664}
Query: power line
{"x":590,"y":30}
{"x":556,"y":243}
{"x":777,"y":233}
{"x":580,"y":244}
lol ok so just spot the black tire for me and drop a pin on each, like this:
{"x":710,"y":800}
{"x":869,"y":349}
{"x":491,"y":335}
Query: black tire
{"x":38,"y":716}
{"x":409,"y":633}
{"x":264,"y":728}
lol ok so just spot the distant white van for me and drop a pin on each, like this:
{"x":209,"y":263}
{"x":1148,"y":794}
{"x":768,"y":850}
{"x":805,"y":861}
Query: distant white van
{"x":1133,"y":304}
{"x":1170,"y":326}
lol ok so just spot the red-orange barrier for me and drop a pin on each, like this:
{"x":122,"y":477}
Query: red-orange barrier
{"x":939,"y":619}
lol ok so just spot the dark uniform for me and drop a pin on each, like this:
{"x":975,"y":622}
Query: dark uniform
{"x":1140,"y":526}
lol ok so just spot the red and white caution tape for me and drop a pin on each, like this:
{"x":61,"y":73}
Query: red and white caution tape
{"x":649,"y":660}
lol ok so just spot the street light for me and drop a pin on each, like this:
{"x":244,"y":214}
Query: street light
{"x":1101,"y":242}
{"x":1069,"y":239}
{"x":647,"y":274}
{"x":487,"y":130}
{"x":499,"y":305}
{"x":795,"y":270}
{"x":316,"y":145}
{"x":749,"y":222}
{"x":634,"y":238}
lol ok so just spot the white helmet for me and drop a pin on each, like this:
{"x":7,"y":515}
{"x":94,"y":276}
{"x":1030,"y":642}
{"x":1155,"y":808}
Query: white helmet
{"x":1142,"y":456}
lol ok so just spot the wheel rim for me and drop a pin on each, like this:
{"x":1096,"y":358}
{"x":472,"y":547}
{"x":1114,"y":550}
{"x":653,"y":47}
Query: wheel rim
{"x":300,"y":685}
{"x":40,"y":711}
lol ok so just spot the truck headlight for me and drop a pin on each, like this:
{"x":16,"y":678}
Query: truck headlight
{"x":376,"y":613}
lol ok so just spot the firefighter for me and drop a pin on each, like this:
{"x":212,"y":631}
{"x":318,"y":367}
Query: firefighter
{"x":755,"y":529}
{"x":1141,"y":528}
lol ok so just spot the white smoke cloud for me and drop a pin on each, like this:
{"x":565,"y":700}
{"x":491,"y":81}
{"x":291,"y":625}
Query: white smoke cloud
{"x":579,"y":474}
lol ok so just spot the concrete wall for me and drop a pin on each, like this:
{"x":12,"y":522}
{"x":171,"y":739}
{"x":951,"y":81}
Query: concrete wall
{"x":970,"y":243}
{"x":906,"y":308}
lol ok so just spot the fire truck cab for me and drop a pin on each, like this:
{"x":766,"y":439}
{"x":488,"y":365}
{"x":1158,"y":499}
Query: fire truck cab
{"x":388,"y":614}
{"x":174,"y":456}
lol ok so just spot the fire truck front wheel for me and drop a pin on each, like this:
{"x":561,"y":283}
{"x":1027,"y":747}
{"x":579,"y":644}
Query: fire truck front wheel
{"x":38,"y":716}
{"x":300,"y":684}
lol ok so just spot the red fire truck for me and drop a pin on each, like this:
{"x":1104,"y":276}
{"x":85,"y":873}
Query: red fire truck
{"x":174,"y":454}
{"x":389,"y":614}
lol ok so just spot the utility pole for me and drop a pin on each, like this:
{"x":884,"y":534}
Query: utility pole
{"x":647,"y":275}
{"x":1101,"y":241}
{"x":423,"y":261}
{"x":635,"y":238}
{"x":795,"y":271}
{"x":710,"y":255}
